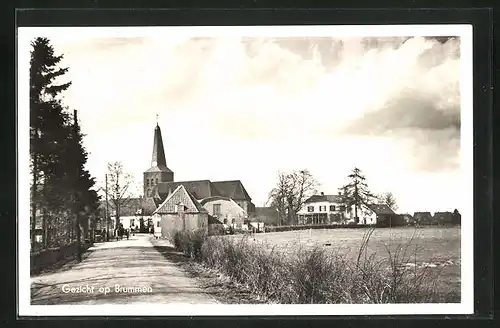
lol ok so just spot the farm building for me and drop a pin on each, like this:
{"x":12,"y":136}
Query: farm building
{"x":179,"y":212}
{"x":383,"y":216}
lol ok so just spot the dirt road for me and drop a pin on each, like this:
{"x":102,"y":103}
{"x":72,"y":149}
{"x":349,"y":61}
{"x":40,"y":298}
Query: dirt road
{"x":119,"y":272}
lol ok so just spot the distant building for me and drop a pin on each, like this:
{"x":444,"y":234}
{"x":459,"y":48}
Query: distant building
{"x":383,"y":216}
{"x":422,"y":218}
{"x":443,"y":218}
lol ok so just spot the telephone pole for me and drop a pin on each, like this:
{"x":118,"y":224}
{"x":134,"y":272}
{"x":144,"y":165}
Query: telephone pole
{"x":77,"y":176}
{"x":107,"y":220}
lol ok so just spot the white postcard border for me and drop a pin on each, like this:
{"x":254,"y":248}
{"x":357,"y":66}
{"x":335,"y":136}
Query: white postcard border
{"x":25,"y":34}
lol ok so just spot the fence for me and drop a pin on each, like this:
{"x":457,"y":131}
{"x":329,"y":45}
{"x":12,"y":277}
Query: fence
{"x":46,"y":258}
{"x":315,"y":226}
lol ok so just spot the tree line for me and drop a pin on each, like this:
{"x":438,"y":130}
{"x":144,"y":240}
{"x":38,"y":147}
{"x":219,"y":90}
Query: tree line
{"x":294,"y":188}
{"x":62,"y":195}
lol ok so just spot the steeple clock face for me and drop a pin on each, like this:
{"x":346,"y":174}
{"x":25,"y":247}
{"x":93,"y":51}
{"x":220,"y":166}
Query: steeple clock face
{"x":154,"y":163}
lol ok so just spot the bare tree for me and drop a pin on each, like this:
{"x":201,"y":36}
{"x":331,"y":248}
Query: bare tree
{"x":290,"y":193}
{"x":120,"y":188}
{"x":388,"y":199}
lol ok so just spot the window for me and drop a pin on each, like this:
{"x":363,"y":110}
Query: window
{"x":158,"y":224}
{"x":156,"y":181}
{"x":332,"y":208}
{"x":147,"y":182}
{"x":310,"y":208}
{"x":322,"y":208}
{"x":216,"y":209}
{"x":233,"y":221}
{"x":342,"y":208}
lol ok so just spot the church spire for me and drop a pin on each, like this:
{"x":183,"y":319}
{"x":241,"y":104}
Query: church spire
{"x":158,"y":158}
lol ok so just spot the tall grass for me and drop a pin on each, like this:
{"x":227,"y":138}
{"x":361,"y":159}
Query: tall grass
{"x":316,"y":275}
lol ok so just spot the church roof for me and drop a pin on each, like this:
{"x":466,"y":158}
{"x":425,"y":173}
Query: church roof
{"x":232,"y":189}
{"x":158,"y":150}
{"x":199,"y":188}
{"x":158,"y":168}
{"x":202,"y":189}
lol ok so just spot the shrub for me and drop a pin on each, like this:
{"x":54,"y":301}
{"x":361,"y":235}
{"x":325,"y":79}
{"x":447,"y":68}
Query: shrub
{"x":189,"y":242}
{"x":315,"y":275}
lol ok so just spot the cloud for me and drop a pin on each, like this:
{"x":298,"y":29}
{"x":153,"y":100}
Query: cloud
{"x":385,"y":104}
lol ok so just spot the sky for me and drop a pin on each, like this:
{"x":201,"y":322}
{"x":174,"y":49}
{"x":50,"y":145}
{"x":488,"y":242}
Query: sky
{"x":248,"y":107}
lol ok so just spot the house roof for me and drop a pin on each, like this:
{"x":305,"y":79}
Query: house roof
{"x":443,"y":213}
{"x":324,"y":198}
{"x":131,"y":206}
{"x":381,"y":209}
{"x":180,"y":195}
{"x":148,"y":205}
{"x":266,"y":211}
{"x":128,"y":206}
{"x":422,"y":214}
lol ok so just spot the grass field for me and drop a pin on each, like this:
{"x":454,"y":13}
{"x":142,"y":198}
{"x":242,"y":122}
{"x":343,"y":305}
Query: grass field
{"x":436,"y":248}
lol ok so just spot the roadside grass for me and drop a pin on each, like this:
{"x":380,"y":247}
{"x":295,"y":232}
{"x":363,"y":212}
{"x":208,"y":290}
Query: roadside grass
{"x":312,"y":274}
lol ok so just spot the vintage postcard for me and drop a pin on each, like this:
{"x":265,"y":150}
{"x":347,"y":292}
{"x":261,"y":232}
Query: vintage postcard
{"x":267,"y":170}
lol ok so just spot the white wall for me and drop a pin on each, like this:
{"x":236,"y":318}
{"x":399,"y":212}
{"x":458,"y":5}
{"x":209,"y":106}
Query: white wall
{"x":317,"y":205}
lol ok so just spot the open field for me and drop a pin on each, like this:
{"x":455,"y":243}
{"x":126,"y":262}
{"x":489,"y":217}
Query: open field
{"x":436,"y":248}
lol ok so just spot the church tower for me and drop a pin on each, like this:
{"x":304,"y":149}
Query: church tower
{"x":158,"y":172}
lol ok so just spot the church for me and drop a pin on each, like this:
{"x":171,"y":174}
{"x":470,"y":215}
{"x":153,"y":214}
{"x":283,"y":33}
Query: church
{"x":190,"y":204}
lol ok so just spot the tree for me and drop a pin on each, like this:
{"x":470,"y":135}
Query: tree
{"x":290,"y":193}
{"x":60,"y":184}
{"x":47,"y":121}
{"x":357,"y":192}
{"x":278,"y":196}
{"x":388,"y":199}
{"x":120,"y":192}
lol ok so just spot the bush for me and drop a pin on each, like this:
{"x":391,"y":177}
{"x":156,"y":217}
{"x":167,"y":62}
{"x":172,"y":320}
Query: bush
{"x":189,"y":242}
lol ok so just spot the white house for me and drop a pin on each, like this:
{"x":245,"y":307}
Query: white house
{"x":322,"y":209}
{"x":328,"y":209}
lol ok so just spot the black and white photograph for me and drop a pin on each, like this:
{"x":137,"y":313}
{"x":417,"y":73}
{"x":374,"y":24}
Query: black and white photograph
{"x":265,"y":170}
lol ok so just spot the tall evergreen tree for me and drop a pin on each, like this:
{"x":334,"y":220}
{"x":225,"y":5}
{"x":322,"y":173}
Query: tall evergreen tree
{"x":356,"y":192}
{"x":46,"y":121}
{"x":61,"y":184}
